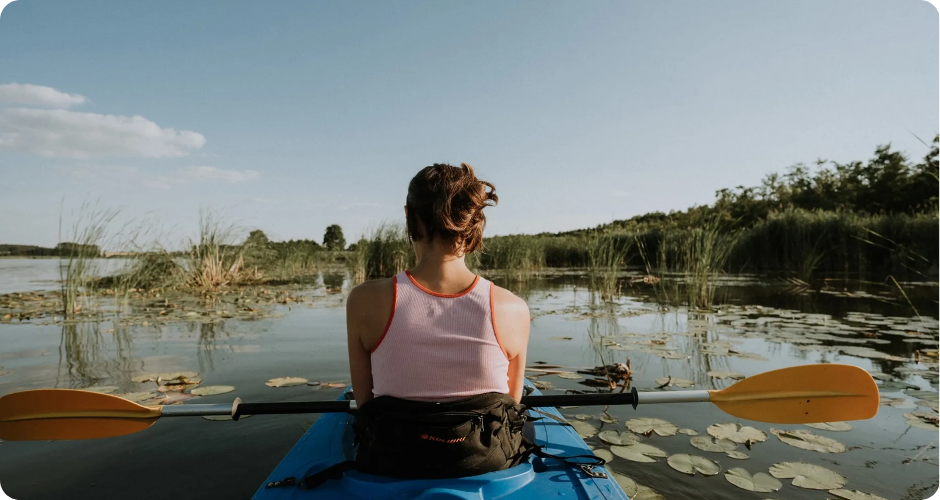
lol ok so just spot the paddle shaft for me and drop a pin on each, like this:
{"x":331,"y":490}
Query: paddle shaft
{"x":238,"y":409}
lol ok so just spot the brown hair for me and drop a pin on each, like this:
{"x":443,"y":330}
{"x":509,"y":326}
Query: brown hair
{"x":449,"y":202}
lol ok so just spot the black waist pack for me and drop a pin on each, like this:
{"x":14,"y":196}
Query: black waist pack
{"x":418,"y":439}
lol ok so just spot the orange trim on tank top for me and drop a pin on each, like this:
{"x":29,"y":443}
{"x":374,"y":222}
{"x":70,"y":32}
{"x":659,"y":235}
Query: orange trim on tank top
{"x":443,"y":295}
{"x":493,"y":317}
{"x":390,"y":316}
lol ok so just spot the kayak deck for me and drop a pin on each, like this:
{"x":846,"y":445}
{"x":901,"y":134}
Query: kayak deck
{"x":330,"y":441}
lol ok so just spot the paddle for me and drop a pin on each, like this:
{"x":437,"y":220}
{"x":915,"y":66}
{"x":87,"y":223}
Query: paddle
{"x":795,"y":395}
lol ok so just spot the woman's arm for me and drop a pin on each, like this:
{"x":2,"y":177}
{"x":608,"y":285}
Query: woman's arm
{"x":360,"y":360}
{"x":512,"y":330}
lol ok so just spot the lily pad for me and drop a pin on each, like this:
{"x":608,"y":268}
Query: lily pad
{"x":542,"y":384}
{"x":657,"y":425}
{"x":618,"y":438}
{"x":584,"y":429}
{"x":605,"y":454}
{"x":806,"y":440}
{"x":150,"y":377}
{"x":690,"y":464}
{"x":760,"y":482}
{"x":737,"y":433}
{"x":173,"y":375}
{"x":569,"y":375}
{"x":922,"y":420}
{"x":831,"y":426}
{"x":221,"y":418}
{"x":639,"y":452}
{"x":738,"y":455}
{"x":286,"y":382}
{"x":634,"y":490}
{"x":855,"y":495}
{"x":103,"y":389}
{"x":607,"y":419}
{"x":139,"y":397}
{"x":688,"y":432}
{"x":211,"y":390}
{"x":724,"y":374}
{"x":708,"y":443}
{"x":673,"y":381}
{"x":925,"y":395}
{"x":809,"y":476}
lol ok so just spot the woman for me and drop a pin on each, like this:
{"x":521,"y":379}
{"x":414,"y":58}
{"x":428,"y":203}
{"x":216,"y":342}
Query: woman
{"x":438,"y":339}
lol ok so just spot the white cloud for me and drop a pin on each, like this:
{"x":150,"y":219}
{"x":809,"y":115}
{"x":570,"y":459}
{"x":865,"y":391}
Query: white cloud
{"x":202,"y":175}
{"x":71,"y":134}
{"x":25,"y":94}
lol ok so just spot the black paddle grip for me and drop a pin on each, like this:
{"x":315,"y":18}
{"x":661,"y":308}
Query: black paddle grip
{"x":600,"y":399}
{"x":239,"y":408}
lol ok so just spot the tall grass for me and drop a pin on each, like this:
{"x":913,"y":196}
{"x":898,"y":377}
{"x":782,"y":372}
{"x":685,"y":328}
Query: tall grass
{"x":607,"y":255}
{"x":687,"y":263}
{"x":77,"y":274}
{"x":215,"y":261}
{"x":386,"y":252}
{"x":515,"y":255}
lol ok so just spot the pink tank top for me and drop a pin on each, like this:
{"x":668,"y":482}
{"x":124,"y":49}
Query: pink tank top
{"x":437,"y":346}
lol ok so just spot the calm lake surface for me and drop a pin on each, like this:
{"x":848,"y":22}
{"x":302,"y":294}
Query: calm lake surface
{"x":760,"y":326}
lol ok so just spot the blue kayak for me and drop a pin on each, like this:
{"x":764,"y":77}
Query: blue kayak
{"x":330,"y":441}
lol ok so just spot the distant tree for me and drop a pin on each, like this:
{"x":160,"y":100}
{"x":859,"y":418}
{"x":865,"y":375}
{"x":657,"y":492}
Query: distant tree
{"x":333,"y":238}
{"x":257,"y":247}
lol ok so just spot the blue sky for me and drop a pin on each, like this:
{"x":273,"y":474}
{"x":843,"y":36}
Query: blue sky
{"x":291,"y":116}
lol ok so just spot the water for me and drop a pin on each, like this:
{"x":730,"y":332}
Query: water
{"x":196,"y":458}
{"x":26,"y":275}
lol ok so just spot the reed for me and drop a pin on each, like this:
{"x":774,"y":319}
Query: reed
{"x":607,"y":255}
{"x":214,"y":261}
{"x":386,"y":252}
{"x":78,"y":271}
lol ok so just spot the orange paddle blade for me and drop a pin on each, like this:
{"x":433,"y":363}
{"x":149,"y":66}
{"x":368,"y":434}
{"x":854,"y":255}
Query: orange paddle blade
{"x":69,"y":414}
{"x":802,"y":395}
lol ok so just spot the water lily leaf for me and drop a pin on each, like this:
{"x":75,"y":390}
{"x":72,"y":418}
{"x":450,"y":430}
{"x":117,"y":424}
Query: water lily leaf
{"x":922,"y":420}
{"x":759,"y":482}
{"x":690,"y":464}
{"x":855,"y":495}
{"x":4,"y":372}
{"x":542,"y":384}
{"x":172,"y":398}
{"x":285,"y":382}
{"x":688,"y":432}
{"x":221,"y":418}
{"x":150,"y":377}
{"x":618,"y":438}
{"x":831,"y":426}
{"x":925,"y":395}
{"x":737,"y":433}
{"x":607,"y":419}
{"x":634,"y":490}
{"x":657,"y":425}
{"x":173,"y":375}
{"x":738,"y":455}
{"x":103,"y":389}
{"x":583,"y":416}
{"x":584,"y":429}
{"x":605,"y":454}
{"x":211,"y":390}
{"x":809,"y":476}
{"x":569,"y":375}
{"x":673,"y":381}
{"x":723,"y":375}
{"x":138,"y":397}
{"x":639,"y":452}
{"x":806,"y":440}
{"x":334,"y":385}
{"x":708,"y":443}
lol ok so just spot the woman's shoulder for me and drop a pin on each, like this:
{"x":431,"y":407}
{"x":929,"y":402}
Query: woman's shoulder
{"x":509,"y":303}
{"x":371,"y":291}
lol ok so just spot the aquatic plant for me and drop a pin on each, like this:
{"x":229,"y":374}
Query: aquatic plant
{"x":214,"y":261}
{"x":77,"y":272}
{"x":386,"y":252}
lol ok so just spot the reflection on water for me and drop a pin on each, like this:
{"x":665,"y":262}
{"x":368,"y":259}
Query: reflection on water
{"x":579,"y":322}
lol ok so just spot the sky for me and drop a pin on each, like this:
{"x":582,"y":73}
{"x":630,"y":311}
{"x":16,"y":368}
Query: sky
{"x":294,"y":115}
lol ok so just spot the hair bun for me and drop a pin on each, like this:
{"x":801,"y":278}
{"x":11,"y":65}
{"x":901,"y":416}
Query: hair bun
{"x":449,"y":201}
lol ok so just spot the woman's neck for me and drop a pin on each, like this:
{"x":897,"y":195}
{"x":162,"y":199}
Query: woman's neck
{"x":438,"y":265}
